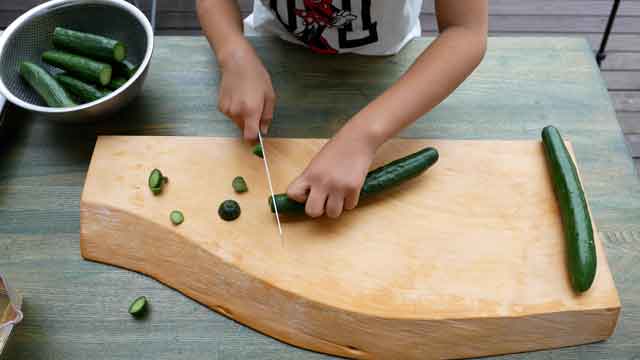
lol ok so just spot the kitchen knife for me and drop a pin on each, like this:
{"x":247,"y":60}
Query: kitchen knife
{"x":273,"y":196}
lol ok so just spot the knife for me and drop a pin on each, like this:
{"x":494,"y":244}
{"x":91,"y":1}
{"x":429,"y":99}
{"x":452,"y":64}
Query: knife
{"x":273,"y":196}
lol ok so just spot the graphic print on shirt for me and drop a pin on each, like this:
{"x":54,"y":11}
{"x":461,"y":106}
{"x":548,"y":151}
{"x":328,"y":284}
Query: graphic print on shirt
{"x":319,"y":15}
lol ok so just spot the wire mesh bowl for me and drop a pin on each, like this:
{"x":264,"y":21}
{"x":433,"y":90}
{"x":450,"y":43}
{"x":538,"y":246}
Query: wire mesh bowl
{"x":31,"y":34}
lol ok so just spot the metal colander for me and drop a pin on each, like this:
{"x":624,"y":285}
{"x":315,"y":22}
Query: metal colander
{"x":31,"y":34}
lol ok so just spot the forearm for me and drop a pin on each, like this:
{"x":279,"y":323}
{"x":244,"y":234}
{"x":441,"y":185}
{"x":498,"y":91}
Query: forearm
{"x":437,"y":72}
{"x":222,"y":25}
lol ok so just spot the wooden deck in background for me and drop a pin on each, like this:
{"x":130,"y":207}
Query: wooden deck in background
{"x":585,"y":18}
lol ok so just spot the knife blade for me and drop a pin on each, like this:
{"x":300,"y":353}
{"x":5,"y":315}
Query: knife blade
{"x":273,"y":196}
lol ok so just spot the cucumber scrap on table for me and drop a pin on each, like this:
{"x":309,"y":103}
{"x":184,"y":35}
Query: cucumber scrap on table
{"x":94,"y":66}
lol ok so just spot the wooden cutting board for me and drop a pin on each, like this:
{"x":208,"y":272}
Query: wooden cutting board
{"x":466,"y":260}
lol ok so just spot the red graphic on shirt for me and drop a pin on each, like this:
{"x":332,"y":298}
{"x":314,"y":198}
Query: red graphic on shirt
{"x":318,"y":15}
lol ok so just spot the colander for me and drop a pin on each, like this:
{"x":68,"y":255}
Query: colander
{"x":31,"y":34}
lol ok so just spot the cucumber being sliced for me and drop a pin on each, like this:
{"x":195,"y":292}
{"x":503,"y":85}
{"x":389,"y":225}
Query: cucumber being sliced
{"x":376,"y":181}
{"x":79,"y":66}
{"x":91,"y":45}
{"x":45,"y":85}
{"x":82,"y":90}
{"x":576,"y":220}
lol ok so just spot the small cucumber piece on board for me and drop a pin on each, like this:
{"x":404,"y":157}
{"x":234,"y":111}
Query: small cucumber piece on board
{"x":91,"y":45}
{"x":176,"y":217}
{"x":124,"y":68}
{"x":576,"y":219}
{"x":82,"y":90}
{"x":79,"y":66}
{"x":139,"y":306}
{"x":239,"y":185}
{"x":229,"y":210}
{"x":45,"y":85}
{"x":157,"y":181}
{"x":376,"y":181}
{"x":116,"y":83}
{"x":257,"y":151}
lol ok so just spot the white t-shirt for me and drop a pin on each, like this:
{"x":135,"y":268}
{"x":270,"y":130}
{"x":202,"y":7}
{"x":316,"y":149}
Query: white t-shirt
{"x":369,"y":27}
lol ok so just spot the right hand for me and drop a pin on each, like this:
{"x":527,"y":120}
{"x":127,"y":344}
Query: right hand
{"x":246,"y":94}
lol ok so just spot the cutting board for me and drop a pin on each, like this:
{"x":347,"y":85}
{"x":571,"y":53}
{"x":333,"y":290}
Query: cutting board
{"x":466,"y":260}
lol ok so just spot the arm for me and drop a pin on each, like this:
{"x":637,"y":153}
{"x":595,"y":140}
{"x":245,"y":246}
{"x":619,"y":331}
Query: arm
{"x":437,"y":72}
{"x":246,"y":94}
{"x":333,"y":179}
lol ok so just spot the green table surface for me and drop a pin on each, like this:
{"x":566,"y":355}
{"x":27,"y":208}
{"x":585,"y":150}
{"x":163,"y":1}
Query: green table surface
{"x":75,"y":309}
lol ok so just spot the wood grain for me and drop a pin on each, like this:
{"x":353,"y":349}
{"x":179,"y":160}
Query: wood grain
{"x":467,"y":260}
{"x":76,"y":309}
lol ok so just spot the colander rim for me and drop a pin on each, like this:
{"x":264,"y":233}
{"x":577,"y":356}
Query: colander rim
{"x":8,"y":32}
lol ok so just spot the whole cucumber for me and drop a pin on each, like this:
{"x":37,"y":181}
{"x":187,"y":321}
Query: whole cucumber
{"x":91,"y":45}
{"x":576,"y":220}
{"x":377,"y":180}
{"x":45,"y":85}
{"x":82,"y":90}
{"x":79,"y":66}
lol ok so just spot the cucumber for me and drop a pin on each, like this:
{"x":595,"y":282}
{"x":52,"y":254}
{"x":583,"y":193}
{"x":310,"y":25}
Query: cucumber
{"x":576,"y":220}
{"x":124,"y":68}
{"x":257,"y":151}
{"x":79,"y":66}
{"x":138,"y":307}
{"x":176,"y":217}
{"x":229,"y":210}
{"x":239,"y":185}
{"x":93,"y":46}
{"x":376,"y":181}
{"x":157,"y":181}
{"x":45,"y":85}
{"x":116,"y":83}
{"x":82,"y":90}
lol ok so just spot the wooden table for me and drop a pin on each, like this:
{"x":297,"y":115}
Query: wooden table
{"x":77,"y":309}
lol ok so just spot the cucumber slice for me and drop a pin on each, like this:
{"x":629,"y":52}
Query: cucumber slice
{"x":176,"y":217}
{"x":239,"y":185}
{"x":139,"y":306}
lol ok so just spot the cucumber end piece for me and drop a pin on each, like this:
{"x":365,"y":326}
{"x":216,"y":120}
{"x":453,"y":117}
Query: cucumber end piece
{"x":105,"y":75}
{"x":176,"y":217}
{"x":119,"y":51}
{"x":229,"y":210}
{"x":156,"y":181}
{"x":138,"y":307}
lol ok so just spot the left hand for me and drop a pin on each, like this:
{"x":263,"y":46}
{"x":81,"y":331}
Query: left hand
{"x":332,"y":181}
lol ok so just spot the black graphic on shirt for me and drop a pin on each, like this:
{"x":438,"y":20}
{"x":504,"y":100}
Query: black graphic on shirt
{"x":318,"y":15}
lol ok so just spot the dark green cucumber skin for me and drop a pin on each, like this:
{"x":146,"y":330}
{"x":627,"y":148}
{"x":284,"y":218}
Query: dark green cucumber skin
{"x":124,"y":69}
{"x":82,"y":90}
{"x":45,"y":85}
{"x":376,"y":181}
{"x":576,"y":219}
{"x":116,"y":83}
{"x":93,"y":46}
{"x":79,"y":66}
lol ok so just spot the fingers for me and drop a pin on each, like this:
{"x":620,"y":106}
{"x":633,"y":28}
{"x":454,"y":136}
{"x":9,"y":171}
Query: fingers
{"x":267,"y":112}
{"x":298,"y":190}
{"x":316,"y":202}
{"x":335,"y":205}
{"x":351,"y":199}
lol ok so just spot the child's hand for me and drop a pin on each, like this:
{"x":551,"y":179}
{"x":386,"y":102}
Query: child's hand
{"x":246,"y":94}
{"x":332,"y":181}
